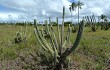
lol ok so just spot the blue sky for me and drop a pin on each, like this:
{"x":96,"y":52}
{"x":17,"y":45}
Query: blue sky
{"x":2,"y":8}
{"x":72,"y":1}
{"x":7,"y":9}
{"x":27,"y":10}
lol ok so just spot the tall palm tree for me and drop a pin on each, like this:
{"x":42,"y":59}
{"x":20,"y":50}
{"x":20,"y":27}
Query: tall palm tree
{"x":103,"y":17}
{"x":79,"y":4}
{"x":72,"y":8}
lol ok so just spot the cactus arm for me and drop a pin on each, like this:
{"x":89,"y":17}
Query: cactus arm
{"x":68,"y":34}
{"x":42,"y":32}
{"x":67,"y":40}
{"x":53,"y":43}
{"x":72,"y":48}
{"x":39,"y":40}
{"x":47,"y":27}
{"x":28,"y":36}
{"x":58,"y":29}
{"x":59,"y":37}
{"x":62,"y":31}
{"x":44,"y":42}
{"x":54,"y":36}
{"x":94,"y":18}
{"x":51,"y":35}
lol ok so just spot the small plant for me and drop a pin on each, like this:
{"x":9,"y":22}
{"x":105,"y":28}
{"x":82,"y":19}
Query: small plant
{"x":75,"y":28}
{"x":21,"y":36}
{"x":18,"y":38}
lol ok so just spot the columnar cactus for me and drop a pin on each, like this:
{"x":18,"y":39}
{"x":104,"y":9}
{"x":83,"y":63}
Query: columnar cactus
{"x":62,"y":32}
{"x":105,"y":26}
{"x":21,"y":36}
{"x":56,"y":45}
{"x":91,"y":21}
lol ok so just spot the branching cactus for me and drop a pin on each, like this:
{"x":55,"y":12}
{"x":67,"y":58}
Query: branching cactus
{"x":105,"y":26}
{"x":58,"y":47}
{"x":91,"y":21}
{"x":21,"y":36}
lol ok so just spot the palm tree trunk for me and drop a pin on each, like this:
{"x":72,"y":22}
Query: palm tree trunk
{"x":71,"y":17}
{"x":78,"y":14}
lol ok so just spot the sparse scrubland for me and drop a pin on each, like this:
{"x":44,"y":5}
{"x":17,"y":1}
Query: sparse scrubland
{"x":92,"y":53}
{"x":54,"y":46}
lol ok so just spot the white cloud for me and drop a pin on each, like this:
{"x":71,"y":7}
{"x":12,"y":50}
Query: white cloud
{"x":42,"y":9}
{"x":8,"y":16}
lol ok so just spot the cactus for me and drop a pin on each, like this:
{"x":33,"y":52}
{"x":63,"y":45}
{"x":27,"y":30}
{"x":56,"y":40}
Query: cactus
{"x":58,"y":29}
{"x":68,"y":34}
{"x":18,"y":38}
{"x":21,"y":36}
{"x":105,"y":26}
{"x":91,"y":22}
{"x":57,"y":46}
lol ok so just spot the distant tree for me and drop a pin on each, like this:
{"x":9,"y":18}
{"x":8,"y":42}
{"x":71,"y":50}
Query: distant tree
{"x":79,"y":4}
{"x":104,"y":24}
{"x":72,"y":8}
{"x":20,"y":24}
{"x":67,"y":23}
{"x":54,"y":23}
{"x":29,"y":23}
{"x":103,"y":17}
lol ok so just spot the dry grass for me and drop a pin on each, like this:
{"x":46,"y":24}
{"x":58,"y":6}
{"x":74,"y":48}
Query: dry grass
{"x":93,"y":53}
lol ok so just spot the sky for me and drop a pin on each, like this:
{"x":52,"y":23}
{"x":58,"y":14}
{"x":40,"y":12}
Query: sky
{"x":28,"y":10}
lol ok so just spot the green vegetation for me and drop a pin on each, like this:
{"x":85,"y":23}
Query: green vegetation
{"x":50,"y":46}
{"x":92,"y":53}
